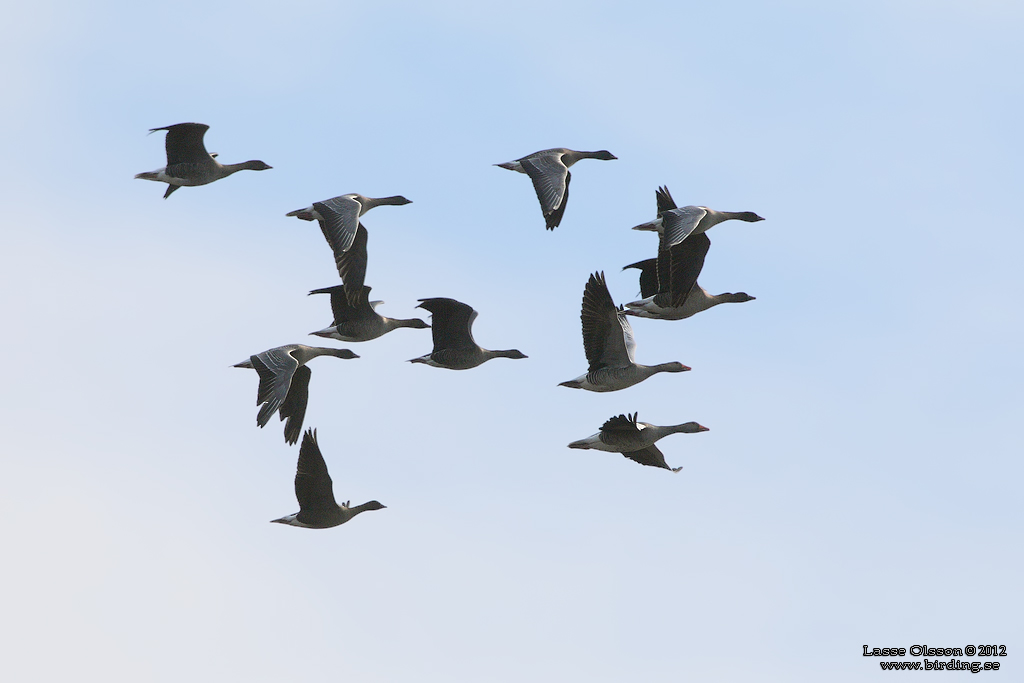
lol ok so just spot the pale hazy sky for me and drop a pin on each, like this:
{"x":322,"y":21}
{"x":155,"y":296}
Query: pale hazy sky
{"x":861,"y":482}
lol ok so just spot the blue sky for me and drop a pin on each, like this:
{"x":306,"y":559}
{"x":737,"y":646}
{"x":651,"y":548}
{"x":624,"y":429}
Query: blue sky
{"x":861,"y":480}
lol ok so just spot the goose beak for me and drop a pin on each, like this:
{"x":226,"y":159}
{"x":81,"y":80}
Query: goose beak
{"x":702,"y":428}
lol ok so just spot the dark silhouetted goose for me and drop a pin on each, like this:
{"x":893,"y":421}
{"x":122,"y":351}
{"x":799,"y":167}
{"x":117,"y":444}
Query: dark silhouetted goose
{"x":359,"y":322}
{"x":609,"y":345}
{"x":549,"y":171}
{"x":677,"y":224}
{"x":315,"y":492}
{"x":188,"y":162}
{"x":668,"y":284}
{"x":284,"y":383}
{"x":452,"y":328}
{"x":635,"y":440}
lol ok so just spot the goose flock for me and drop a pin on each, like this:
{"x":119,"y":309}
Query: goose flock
{"x":668,"y":287}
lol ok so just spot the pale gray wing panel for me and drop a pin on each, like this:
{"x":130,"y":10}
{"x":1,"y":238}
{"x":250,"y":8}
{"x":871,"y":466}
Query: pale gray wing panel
{"x":339,"y":220}
{"x":678,"y":224}
{"x":548,"y":175}
{"x":276,"y":368}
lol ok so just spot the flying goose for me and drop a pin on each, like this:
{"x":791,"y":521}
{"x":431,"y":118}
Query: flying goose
{"x":339,"y":216}
{"x":653,"y":305}
{"x":635,"y":440}
{"x":340,"y":224}
{"x":452,"y":328}
{"x":359,"y":322}
{"x":549,"y":171}
{"x":668,"y":284}
{"x":609,"y":344}
{"x":315,"y":492}
{"x":677,"y":224}
{"x":188,"y":162}
{"x":284,"y":383}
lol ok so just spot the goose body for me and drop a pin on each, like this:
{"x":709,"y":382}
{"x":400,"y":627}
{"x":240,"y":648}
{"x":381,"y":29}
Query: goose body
{"x":284,"y":383}
{"x":549,"y":171}
{"x":676,"y":224}
{"x":669,"y":282}
{"x":359,"y":322}
{"x":697,"y":301}
{"x":452,"y":330}
{"x":635,"y":440}
{"x":315,"y":492}
{"x":188,"y":162}
{"x":609,"y":344}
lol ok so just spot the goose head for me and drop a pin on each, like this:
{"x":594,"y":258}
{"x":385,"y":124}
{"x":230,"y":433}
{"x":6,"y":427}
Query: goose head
{"x":674,"y":366}
{"x":373,"y":505}
{"x":748,"y":216}
{"x":256,"y":165}
{"x":603,"y":155}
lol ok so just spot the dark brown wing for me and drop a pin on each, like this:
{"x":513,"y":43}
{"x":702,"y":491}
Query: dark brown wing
{"x":605,"y":338}
{"x":342,"y":309}
{"x":651,"y":457}
{"x":665,"y":201}
{"x":313,"y":486}
{"x":184,"y":143}
{"x":294,"y":407}
{"x":648,"y":276}
{"x":687,"y":260}
{"x":625,"y":424}
{"x":352,"y":265}
{"x":452,"y":324}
